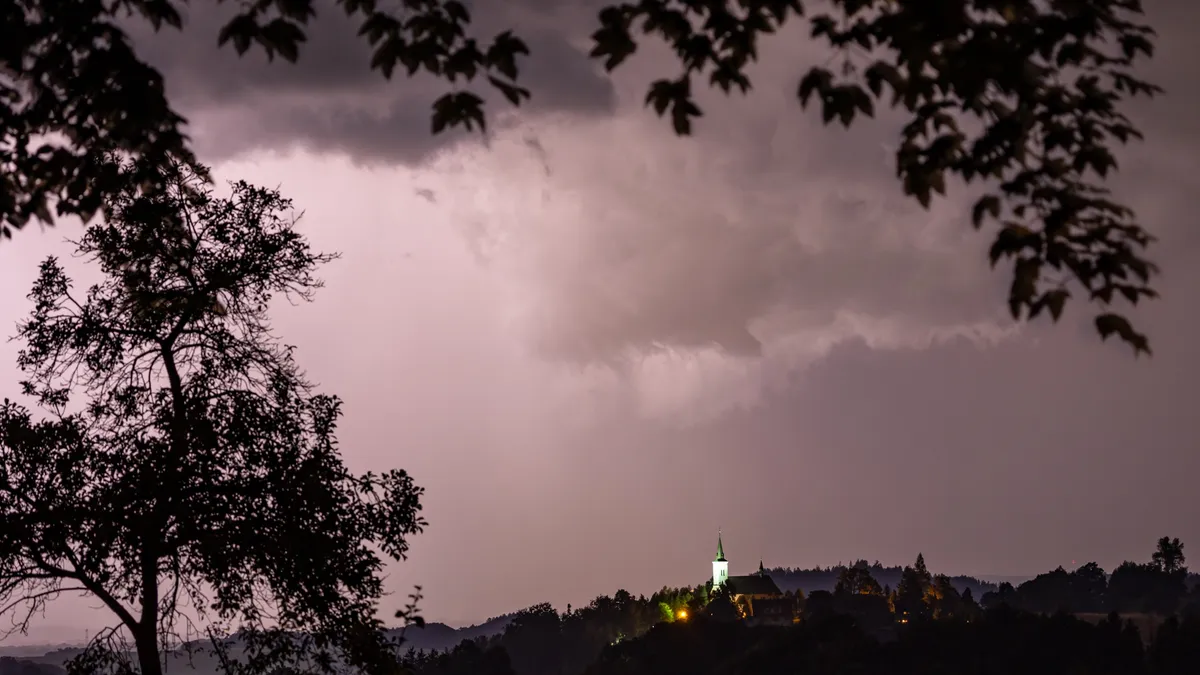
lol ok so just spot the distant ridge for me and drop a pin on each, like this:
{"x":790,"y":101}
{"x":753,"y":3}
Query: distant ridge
{"x":51,"y":659}
{"x":436,"y":637}
{"x":1001,"y":578}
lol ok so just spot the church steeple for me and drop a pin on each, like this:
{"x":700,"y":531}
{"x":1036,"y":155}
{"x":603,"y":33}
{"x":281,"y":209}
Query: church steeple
{"x":720,"y":565}
{"x":761,"y":572}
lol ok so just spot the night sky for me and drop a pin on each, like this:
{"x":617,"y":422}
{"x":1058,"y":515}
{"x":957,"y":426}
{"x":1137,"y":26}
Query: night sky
{"x":594,"y":343}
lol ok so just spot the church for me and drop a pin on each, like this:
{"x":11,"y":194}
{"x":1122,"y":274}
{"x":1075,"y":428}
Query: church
{"x":755,"y":595}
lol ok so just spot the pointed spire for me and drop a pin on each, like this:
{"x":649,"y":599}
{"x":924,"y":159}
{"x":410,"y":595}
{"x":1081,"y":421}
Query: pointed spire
{"x":761,"y":572}
{"x":720,"y":548}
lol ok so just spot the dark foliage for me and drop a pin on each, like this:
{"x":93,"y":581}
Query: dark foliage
{"x":11,"y":666}
{"x":1158,"y":587}
{"x":182,"y":464}
{"x":827,"y":578}
{"x":996,"y":643}
{"x":471,"y":657}
{"x":857,"y":580}
{"x":925,"y":611}
{"x":540,"y":641}
{"x":1024,"y":95}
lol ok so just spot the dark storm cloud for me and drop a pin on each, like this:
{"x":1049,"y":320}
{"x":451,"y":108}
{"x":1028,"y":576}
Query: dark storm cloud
{"x":741,"y":255}
{"x":331,"y":101}
{"x":1172,"y":117}
{"x":763,"y":226}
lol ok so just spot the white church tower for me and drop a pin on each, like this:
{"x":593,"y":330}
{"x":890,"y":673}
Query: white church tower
{"x":720,"y":565}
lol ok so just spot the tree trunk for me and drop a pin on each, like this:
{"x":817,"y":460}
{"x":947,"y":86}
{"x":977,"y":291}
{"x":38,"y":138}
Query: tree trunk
{"x":146,"y":640}
{"x":146,"y":634}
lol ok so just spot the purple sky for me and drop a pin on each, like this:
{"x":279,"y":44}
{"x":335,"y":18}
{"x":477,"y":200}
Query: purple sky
{"x":528,"y":328}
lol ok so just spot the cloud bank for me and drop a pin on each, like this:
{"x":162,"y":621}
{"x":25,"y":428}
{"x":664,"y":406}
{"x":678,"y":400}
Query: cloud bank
{"x":702,"y":271}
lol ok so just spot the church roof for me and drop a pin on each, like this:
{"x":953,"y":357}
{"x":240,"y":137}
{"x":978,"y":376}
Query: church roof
{"x":720,"y":549}
{"x":754,"y":584}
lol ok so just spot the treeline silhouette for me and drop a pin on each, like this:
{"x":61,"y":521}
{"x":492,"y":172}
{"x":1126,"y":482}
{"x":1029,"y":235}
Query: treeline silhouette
{"x":826,"y":578}
{"x":999,"y":642}
{"x":543,"y":641}
{"x":996,"y":642}
{"x":1162,"y":586}
{"x":14,"y":666}
{"x":924,"y":624}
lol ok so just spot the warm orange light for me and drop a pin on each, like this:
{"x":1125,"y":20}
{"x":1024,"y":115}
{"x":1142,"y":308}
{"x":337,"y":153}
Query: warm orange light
{"x":682,"y":614}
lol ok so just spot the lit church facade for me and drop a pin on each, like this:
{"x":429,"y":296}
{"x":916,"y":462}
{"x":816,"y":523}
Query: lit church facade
{"x":755,"y":595}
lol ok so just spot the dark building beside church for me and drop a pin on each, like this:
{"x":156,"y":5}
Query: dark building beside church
{"x":756,"y":596}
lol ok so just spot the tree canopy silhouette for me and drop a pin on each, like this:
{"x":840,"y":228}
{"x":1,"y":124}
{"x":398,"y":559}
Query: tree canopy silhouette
{"x":1169,"y":555}
{"x":183,"y":466}
{"x":1022,"y":94}
{"x":857,"y":580}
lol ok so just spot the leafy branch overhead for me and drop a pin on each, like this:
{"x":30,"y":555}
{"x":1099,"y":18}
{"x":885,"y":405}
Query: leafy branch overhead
{"x":75,"y":73}
{"x":1023,"y":95}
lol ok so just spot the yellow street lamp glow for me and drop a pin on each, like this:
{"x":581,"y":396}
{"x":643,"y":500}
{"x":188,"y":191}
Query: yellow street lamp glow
{"x":682,"y":614}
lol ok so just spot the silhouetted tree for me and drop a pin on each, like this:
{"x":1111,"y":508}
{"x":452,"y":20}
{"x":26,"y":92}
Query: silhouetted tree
{"x":970,"y":607}
{"x":721,"y":605}
{"x":858,"y":594}
{"x":1084,"y":590}
{"x":1046,"y":593}
{"x":945,"y":600}
{"x":182,"y":460}
{"x":1038,"y":121}
{"x":1155,"y":587}
{"x":1089,"y":586}
{"x":1176,"y":647}
{"x":671,"y":601}
{"x":913,"y":594}
{"x":857,"y":580}
{"x":1136,"y":587}
{"x":532,"y":640}
{"x":1169,"y":556}
{"x":998,"y":598}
